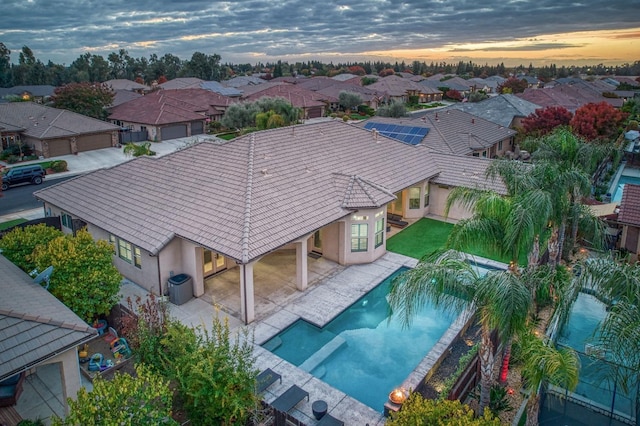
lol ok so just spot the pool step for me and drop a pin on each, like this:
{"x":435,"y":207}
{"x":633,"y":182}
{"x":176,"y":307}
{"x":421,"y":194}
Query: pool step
{"x":323,"y":353}
{"x":273,"y":344}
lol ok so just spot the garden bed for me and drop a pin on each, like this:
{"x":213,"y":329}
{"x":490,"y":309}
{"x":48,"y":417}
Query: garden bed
{"x":100,"y":345}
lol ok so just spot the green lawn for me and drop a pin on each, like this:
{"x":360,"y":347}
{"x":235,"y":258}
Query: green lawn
{"x":9,"y":224}
{"x":428,"y":235}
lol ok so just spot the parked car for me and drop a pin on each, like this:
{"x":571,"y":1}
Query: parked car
{"x":27,"y":174}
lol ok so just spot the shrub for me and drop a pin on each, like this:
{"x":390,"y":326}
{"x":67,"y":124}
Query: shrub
{"x":215,"y":374}
{"x":419,"y":411}
{"x":13,"y":159}
{"x":126,"y":400}
{"x":145,"y":330}
{"x":135,"y":150}
{"x":18,"y":244}
{"x":16,"y":150}
{"x":59,"y":166}
{"x":345,"y":118}
{"x":84,"y":278}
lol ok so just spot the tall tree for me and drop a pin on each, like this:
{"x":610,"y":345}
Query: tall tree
{"x":449,"y":282}
{"x":545,"y":120}
{"x":90,"y":99}
{"x":545,"y":364}
{"x":597,"y":121}
{"x":349,"y":100}
{"x":5,"y":66}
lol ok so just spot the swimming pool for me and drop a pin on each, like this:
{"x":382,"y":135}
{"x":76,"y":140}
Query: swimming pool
{"x":360,"y":352}
{"x":617,"y":196}
{"x":579,"y":333}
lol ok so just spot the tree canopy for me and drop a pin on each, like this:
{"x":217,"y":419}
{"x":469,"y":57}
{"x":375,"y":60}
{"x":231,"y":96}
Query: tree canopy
{"x":597,"y":121}
{"x":90,"y":99}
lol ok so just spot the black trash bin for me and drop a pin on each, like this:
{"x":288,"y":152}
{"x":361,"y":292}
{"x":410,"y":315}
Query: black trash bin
{"x":180,"y":289}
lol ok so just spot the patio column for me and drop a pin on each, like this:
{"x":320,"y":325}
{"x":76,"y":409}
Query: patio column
{"x":302,"y":270}
{"x":247,"y":300}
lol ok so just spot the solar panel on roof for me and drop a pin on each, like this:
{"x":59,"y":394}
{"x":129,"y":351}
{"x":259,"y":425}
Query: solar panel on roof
{"x":407,"y":134}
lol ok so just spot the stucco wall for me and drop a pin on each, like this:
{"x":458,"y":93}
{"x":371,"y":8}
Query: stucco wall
{"x":372,"y":252}
{"x":437,"y":203}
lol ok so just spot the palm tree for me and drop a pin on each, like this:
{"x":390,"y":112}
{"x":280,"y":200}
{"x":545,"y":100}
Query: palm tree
{"x":569,"y":162}
{"x":545,"y":364}
{"x":505,"y":224}
{"x":448,"y":281}
{"x":619,"y":284}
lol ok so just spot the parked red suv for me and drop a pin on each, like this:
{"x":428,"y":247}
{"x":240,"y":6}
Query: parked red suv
{"x":27,"y":174}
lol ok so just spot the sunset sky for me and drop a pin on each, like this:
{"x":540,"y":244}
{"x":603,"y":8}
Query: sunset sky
{"x":510,"y":31}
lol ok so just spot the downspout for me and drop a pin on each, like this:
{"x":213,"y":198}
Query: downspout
{"x":244,"y":288}
{"x":160,"y":294}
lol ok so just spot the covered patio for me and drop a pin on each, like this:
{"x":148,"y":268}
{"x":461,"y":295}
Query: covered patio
{"x":274,"y":282}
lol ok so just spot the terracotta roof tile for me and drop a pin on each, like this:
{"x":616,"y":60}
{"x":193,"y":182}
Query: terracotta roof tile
{"x":630,"y":205}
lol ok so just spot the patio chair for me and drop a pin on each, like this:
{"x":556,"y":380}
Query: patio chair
{"x":329,"y":420}
{"x":290,"y":398}
{"x":266,"y":379}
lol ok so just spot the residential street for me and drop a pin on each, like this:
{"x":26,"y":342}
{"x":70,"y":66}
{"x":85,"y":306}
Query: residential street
{"x":20,"y":198}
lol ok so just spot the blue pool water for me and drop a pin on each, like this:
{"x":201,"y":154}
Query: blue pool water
{"x":360,"y":352}
{"x":617,"y":196}
{"x":579,"y":333}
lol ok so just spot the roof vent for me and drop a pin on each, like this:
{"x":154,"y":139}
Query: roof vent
{"x":436,"y":115}
{"x":473,"y":121}
{"x":265,"y":172}
{"x":374,"y":132}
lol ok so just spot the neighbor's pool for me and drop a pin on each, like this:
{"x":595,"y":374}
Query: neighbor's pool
{"x":360,"y":352}
{"x":617,"y":196}
{"x":579,"y":333}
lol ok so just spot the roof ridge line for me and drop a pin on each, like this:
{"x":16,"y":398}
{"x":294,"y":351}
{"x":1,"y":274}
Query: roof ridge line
{"x":246,"y":227}
{"x":45,"y":320}
{"x":376,"y":185}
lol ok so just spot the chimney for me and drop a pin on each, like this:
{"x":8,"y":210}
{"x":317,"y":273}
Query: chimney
{"x":473,"y":121}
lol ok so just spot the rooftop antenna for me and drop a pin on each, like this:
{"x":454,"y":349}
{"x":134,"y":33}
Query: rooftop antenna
{"x":44,"y":277}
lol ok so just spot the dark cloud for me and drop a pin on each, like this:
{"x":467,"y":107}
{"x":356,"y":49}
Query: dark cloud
{"x":251,"y":30}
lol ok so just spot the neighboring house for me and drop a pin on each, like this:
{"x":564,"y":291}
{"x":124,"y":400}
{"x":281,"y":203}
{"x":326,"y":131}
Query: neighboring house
{"x":53,"y":132}
{"x":243,"y":80}
{"x":326,"y":187}
{"x":221,"y":89}
{"x":629,"y":219}
{"x":532,"y":82}
{"x":506,"y":110}
{"x":460,"y":133}
{"x":570,"y":95}
{"x":312,"y":104}
{"x":37,"y":329}
{"x":122,"y":96}
{"x":127,"y":85}
{"x":182,"y":83}
{"x":347,"y":77}
{"x":170,"y":114}
{"x":394,"y":87}
{"x":35,"y":93}
{"x":332,"y":88}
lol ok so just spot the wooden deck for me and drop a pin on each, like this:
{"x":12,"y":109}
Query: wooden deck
{"x":9,"y":416}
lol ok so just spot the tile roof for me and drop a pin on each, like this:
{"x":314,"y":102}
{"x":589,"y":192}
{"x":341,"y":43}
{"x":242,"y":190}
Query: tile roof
{"x":570,"y":96}
{"x":394,"y":85}
{"x":182,"y":83}
{"x":217,"y":87}
{"x":465,"y":171}
{"x":460,"y":133}
{"x":267,"y":189}
{"x":34,"y":325}
{"x":122,"y":96}
{"x":41,"y":90}
{"x":630,"y":205}
{"x":297,"y":96}
{"x":43,"y":122}
{"x":170,"y":106}
{"x":498,"y":109}
{"x":124,"y":84}
{"x":243,"y":80}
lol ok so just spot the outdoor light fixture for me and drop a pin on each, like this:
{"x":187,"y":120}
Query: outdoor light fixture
{"x":398,"y":395}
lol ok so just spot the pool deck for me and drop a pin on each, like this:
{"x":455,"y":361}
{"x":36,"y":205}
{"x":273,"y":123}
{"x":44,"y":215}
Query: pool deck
{"x":318,"y":304}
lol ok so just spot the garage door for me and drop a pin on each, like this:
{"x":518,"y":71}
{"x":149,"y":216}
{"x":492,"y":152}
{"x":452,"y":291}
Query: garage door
{"x":59,"y":147}
{"x":197,"y":128}
{"x":91,"y":142}
{"x":314,"y":112}
{"x":173,"y":132}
